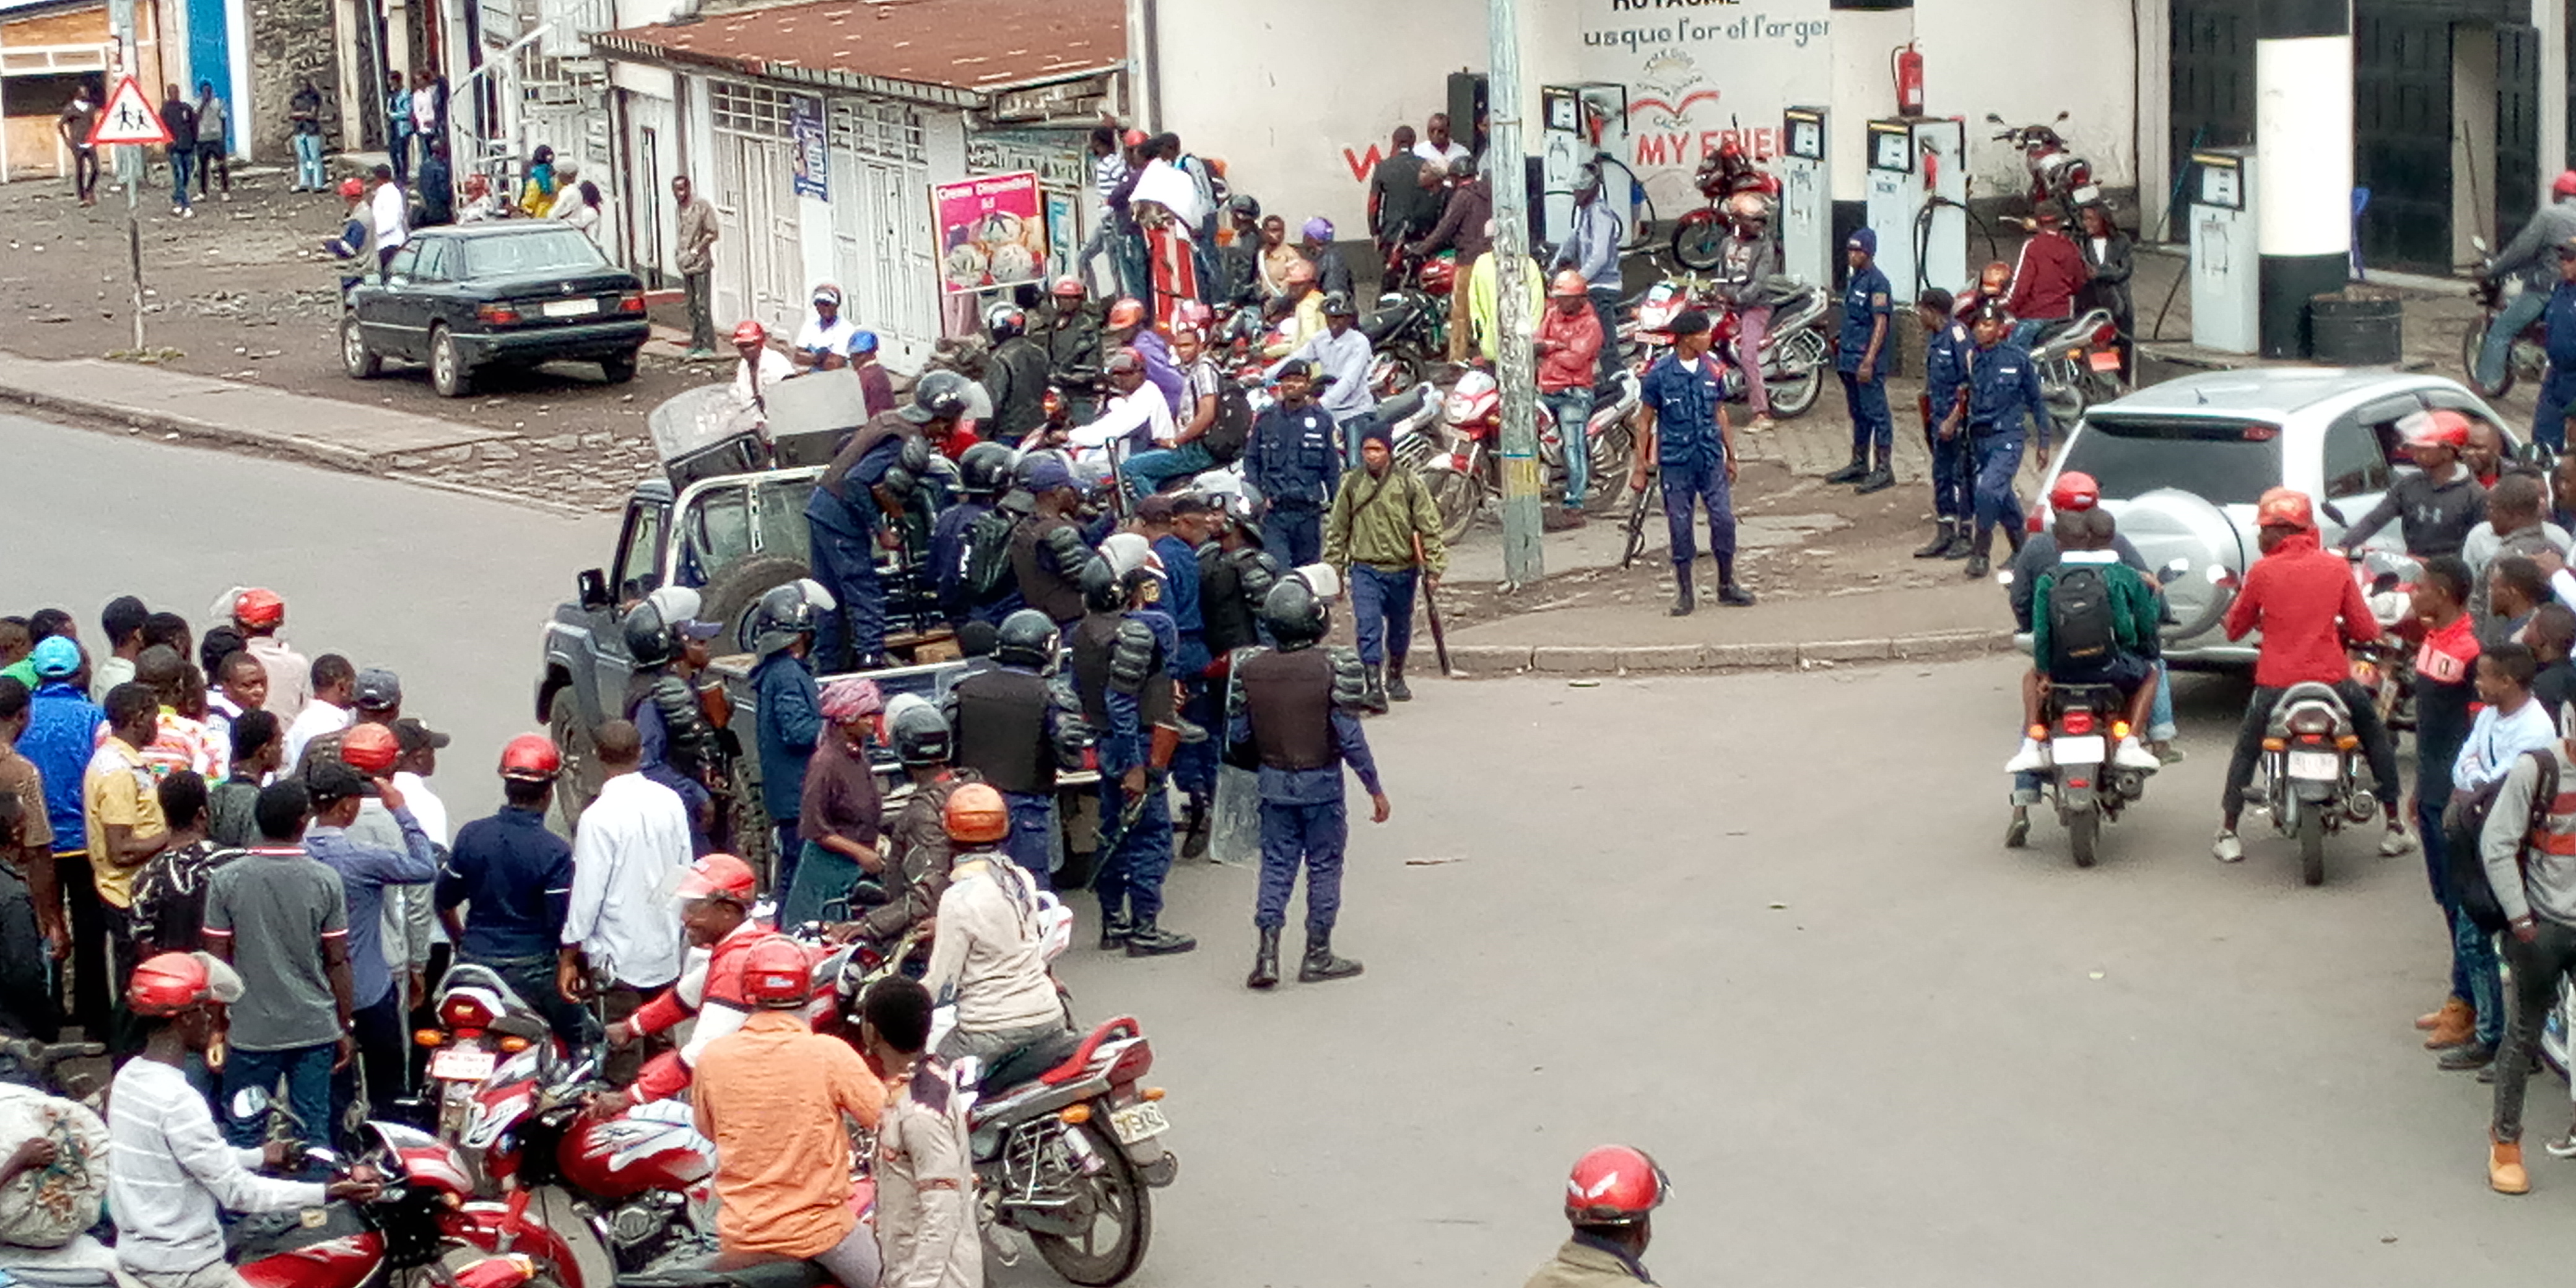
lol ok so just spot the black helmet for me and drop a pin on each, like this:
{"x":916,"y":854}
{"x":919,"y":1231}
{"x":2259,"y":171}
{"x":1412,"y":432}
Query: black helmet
{"x":783,"y":614}
{"x":1337,"y":304}
{"x":1103,"y":590}
{"x":917,"y":730}
{"x":1243,"y":205}
{"x":984,"y":470}
{"x":1005,"y":322}
{"x":648,"y":637}
{"x":1028,"y":639}
{"x":1295,"y":616}
{"x":940,"y":395}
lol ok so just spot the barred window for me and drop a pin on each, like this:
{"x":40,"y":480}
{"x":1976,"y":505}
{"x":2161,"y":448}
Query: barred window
{"x":879,"y":130}
{"x":752,"y":109}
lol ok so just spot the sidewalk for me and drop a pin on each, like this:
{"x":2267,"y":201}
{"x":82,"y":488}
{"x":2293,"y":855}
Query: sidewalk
{"x":343,"y":435}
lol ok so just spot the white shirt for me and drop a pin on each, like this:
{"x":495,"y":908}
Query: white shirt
{"x":1146,"y":409}
{"x":411,"y":918}
{"x":568,"y":201}
{"x":393,"y":217}
{"x":989,"y":956}
{"x":774,"y":367}
{"x":316,"y":719}
{"x":627,"y":858}
{"x":169,"y":1171}
{"x":818,"y":338}
{"x":2497,"y":740}
{"x":1436,"y":156}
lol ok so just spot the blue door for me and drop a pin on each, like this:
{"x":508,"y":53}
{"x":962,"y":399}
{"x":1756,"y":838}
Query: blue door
{"x":210,"y":56}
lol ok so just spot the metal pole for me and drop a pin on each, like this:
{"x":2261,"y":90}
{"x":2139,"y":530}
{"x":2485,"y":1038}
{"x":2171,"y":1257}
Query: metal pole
{"x":132,"y":164}
{"x":1507,"y":171}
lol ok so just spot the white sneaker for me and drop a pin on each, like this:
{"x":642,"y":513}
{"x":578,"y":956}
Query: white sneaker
{"x":1762,"y":424}
{"x":2132,"y":754}
{"x":2396,"y":842}
{"x":2227,"y":849}
{"x":2032,"y":757}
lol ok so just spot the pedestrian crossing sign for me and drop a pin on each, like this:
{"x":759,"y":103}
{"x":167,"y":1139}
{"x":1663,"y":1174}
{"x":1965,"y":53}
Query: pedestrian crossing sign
{"x":129,"y":119}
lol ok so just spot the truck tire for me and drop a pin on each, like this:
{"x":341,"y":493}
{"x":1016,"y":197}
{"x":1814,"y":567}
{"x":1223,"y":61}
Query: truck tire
{"x":578,"y":785}
{"x":729,"y":599}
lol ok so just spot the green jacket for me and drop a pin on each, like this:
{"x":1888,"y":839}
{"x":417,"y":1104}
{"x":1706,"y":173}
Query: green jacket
{"x":1587,"y":1263}
{"x":2134,"y":612}
{"x":1374,"y":519}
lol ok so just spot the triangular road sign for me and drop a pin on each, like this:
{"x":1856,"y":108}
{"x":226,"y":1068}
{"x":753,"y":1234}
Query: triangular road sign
{"x":129,"y":118}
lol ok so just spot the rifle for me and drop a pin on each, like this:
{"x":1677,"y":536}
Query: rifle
{"x":1636,"y":527}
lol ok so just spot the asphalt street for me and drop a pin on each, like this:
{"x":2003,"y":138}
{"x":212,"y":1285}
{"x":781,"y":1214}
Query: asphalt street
{"x":1760,"y":925}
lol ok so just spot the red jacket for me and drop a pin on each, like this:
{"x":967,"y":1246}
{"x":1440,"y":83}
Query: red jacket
{"x":2044,"y":283}
{"x":1571,"y":367}
{"x":2308,"y":605}
{"x":711,"y":989}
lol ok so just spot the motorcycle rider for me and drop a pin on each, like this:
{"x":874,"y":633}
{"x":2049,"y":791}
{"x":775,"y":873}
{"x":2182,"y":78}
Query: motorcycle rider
{"x":2083,"y":635}
{"x":1945,"y":382}
{"x":1315,"y":242}
{"x":1291,"y":461}
{"x":1466,"y":217}
{"x":1295,"y":719}
{"x":2529,"y":256}
{"x":1016,"y":375}
{"x":1047,"y":549}
{"x":1072,"y":341}
{"x":925,"y":1163}
{"x":1303,"y":304}
{"x":170,"y":1174}
{"x":1131,"y":327}
{"x":918,"y":851}
{"x":971,"y":541}
{"x":771,"y":1096}
{"x":1861,"y":359}
{"x":1610,"y":1198}
{"x":859,"y":505}
{"x":2558,"y":388}
{"x":715,"y":897}
{"x":1591,"y":250}
{"x":2308,"y":607}
{"x":1148,"y":472}
{"x":2046,"y":276}
{"x":1122,"y":660}
{"x":1339,"y":358}
{"x":2076,"y":490}
{"x":2003,"y":392}
{"x":1016,"y":729}
{"x":2437,"y":504}
{"x":1682,"y":429}
{"x":989,"y":957}
{"x":1746,"y":260}
{"x":680,"y":747}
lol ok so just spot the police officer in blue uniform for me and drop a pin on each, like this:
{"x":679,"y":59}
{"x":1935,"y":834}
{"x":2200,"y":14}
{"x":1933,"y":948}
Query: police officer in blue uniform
{"x":2558,"y":388}
{"x":1122,"y":656}
{"x":1292,"y":461}
{"x":1944,"y":426}
{"x":1294,"y":717}
{"x":2003,"y":391}
{"x":1187,"y":519}
{"x":982,"y":475}
{"x":1868,"y":341}
{"x":1017,"y":730}
{"x":1682,"y":407}
{"x":858,"y":506}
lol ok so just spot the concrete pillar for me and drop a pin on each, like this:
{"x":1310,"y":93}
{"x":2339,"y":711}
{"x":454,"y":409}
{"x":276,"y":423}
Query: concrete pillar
{"x":1863,"y":35}
{"x":2550,"y":17}
{"x":2303,"y":144}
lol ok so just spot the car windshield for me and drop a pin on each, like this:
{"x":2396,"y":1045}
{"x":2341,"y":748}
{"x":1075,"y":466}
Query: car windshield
{"x":563,"y":250}
{"x":2222,"y":460}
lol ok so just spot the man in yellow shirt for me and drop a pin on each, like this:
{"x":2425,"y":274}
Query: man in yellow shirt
{"x":771,"y":1095}
{"x":1483,"y":299}
{"x":121,"y":804}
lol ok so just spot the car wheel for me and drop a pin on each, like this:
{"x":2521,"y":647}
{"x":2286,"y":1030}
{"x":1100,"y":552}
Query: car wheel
{"x":620,"y":369}
{"x":447,"y":371}
{"x":362,"y":362}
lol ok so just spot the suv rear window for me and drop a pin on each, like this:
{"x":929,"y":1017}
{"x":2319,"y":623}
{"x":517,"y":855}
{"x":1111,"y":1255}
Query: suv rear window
{"x":2222,"y":460}
{"x":563,"y":250}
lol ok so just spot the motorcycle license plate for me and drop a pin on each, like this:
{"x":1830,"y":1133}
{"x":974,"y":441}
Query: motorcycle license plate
{"x":2316,"y":766}
{"x":1137,"y":1122}
{"x":2104,"y":361}
{"x":2076,"y":751}
{"x":461,"y":1064}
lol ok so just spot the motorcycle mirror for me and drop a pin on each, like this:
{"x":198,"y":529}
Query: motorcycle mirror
{"x":2177,"y":568}
{"x":1993,"y":119}
{"x":2061,"y":116}
{"x":2332,"y":511}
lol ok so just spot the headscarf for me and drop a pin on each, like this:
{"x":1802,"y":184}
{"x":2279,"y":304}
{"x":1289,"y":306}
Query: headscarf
{"x":850,"y":698}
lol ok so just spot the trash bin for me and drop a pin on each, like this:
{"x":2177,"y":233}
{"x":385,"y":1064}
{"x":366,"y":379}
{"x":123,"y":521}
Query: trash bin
{"x":2358,"y":326}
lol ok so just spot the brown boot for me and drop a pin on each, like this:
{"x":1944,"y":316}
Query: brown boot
{"x":2441,"y":1017}
{"x":2454,"y":1028}
{"x":2504,"y":1168}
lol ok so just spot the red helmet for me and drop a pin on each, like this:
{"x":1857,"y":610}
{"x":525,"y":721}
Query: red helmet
{"x":719,"y":876}
{"x":352,"y":189}
{"x":775,"y":974}
{"x":168,"y":984}
{"x":2074,"y":490}
{"x":749,"y":331}
{"x":1068,"y":285}
{"x":371,"y":749}
{"x":1126,"y":313}
{"x":2439,"y":428}
{"x":259,"y":606}
{"x":531,"y":758}
{"x":2564,"y":185}
{"x":1614,"y":1185}
{"x":2284,"y":508}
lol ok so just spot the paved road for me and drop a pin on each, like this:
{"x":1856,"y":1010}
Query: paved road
{"x":1940,"y":1063}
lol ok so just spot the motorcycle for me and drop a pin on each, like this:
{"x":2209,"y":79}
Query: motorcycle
{"x":1409,"y":332}
{"x":2079,"y":365}
{"x":2385,"y":667}
{"x":1795,"y":349}
{"x":2312,"y":773}
{"x":2056,"y":174}
{"x":419,"y":1230}
{"x":2085,"y":722}
{"x":2527,"y":359}
{"x":1726,"y":172}
{"x":1468,"y":475}
{"x":482,"y":1021}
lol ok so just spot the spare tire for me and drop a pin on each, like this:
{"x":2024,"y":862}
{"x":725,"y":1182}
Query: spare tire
{"x":728,"y":600}
{"x":2169,"y":527}
{"x":43,"y":1207}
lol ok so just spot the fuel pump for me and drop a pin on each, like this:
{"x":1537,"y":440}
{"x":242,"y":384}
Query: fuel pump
{"x":1581,"y":123}
{"x":1806,"y":198}
{"x":2226,"y":264}
{"x":1917,"y":202}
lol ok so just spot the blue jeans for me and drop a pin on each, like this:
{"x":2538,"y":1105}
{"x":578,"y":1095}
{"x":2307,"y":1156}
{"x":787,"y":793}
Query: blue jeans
{"x":1032,"y":840}
{"x":1147,"y":472}
{"x":2519,"y":312}
{"x":1872,"y":422}
{"x":307,"y":1073}
{"x":308,"y":163}
{"x":1312,"y":837}
{"x":1130,"y":880}
{"x":2549,"y":419}
{"x":1704,"y":484}
{"x":1382,"y":611}
{"x":2160,"y":713}
{"x":790,"y":851}
{"x":855,"y":627}
{"x":1135,"y":269}
{"x":1572,"y":409}
{"x":400,"y":148}
{"x":1293,"y":533}
{"x":181,"y":162}
{"x":1996,"y":456}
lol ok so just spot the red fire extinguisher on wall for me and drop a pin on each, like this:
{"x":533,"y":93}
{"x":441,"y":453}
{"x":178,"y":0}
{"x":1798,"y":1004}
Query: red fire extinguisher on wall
{"x":1909,"y":80}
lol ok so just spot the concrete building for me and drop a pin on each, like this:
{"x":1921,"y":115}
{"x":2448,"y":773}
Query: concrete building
{"x":48,"y":50}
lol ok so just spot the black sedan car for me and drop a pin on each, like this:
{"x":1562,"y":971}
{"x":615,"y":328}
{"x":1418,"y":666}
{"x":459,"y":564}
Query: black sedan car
{"x":513,"y":293}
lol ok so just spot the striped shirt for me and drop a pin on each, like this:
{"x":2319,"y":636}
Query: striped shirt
{"x":2540,"y":880}
{"x":169,"y":1171}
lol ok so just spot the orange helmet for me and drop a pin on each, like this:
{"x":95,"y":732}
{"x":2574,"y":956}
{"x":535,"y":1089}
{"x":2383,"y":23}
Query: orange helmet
{"x":169,"y":983}
{"x":719,"y":876}
{"x":2284,"y":507}
{"x":1614,"y":1185}
{"x":371,"y":749}
{"x":1126,"y":313}
{"x":1569,"y":282}
{"x":1301,"y":273}
{"x":1995,"y":275}
{"x":775,"y":974}
{"x":976,"y":815}
{"x":2439,"y":428}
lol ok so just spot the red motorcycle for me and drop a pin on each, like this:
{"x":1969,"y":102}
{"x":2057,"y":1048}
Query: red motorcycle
{"x":1699,"y":238}
{"x":2056,"y":174}
{"x":482,"y":1022}
{"x":1795,"y":350}
{"x":418,"y":1231}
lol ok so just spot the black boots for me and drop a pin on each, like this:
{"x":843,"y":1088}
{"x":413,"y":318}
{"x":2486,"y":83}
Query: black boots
{"x":1375,"y":697}
{"x":1683,"y":600}
{"x":1265,"y":960}
{"x":1114,"y":929}
{"x":1878,"y":479}
{"x":1320,"y":963}
{"x":1194,"y":842}
{"x":1149,"y":940}
{"x":1958,"y":547}
{"x":1980,"y":546}
{"x":1854,"y":472}
{"x":1940,"y":541}
{"x":1396,"y":688}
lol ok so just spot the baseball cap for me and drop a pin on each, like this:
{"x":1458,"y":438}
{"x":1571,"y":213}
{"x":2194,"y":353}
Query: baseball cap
{"x":416,"y":736}
{"x":1047,"y":474}
{"x":329,"y":780}
{"x":55,"y":656}
{"x":378,"y":690}
{"x":1156,"y":509}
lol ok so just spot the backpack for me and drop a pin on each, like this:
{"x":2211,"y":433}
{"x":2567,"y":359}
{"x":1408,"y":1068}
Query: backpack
{"x":2464,"y":825}
{"x":1226,"y":439}
{"x":2081,"y":633}
{"x":988,"y":555}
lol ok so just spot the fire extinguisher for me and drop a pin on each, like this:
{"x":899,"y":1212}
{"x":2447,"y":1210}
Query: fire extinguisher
{"x":1909,"y":80}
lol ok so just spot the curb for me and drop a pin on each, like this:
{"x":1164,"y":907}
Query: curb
{"x":285,"y":446}
{"x":1485,"y":661}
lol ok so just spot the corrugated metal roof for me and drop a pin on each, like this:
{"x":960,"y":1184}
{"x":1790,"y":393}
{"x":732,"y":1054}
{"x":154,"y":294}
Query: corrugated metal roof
{"x":975,"y":46}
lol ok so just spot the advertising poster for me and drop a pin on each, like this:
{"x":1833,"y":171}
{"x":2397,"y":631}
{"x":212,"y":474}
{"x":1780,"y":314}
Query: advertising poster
{"x":813,"y":159}
{"x":1060,"y":231}
{"x":991,"y":232}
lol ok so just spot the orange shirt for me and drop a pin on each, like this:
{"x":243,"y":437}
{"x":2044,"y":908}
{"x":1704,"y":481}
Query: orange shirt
{"x":771,"y":1096}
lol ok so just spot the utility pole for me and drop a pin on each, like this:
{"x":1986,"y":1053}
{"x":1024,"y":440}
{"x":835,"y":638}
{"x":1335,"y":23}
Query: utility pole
{"x":1515,"y":364}
{"x":130,"y":160}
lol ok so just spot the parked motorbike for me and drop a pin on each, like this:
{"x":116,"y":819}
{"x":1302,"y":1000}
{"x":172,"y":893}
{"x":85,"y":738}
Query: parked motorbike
{"x":2527,"y":359}
{"x":2056,"y":174}
{"x":481,"y":1022}
{"x":2079,"y":365}
{"x":2312,"y":773}
{"x":2085,"y":722}
{"x":1464,"y":471}
{"x":1409,"y":332}
{"x":2385,"y":667}
{"x":1796,"y":352}
{"x":1724,"y":173}
{"x":416,"y":1232}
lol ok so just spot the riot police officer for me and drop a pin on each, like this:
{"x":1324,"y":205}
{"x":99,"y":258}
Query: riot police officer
{"x":1047,"y":549}
{"x":790,"y":714}
{"x":1292,"y":461}
{"x":971,"y":576}
{"x":1294,"y":715}
{"x":1944,"y":424}
{"x":1122,"y":655}
{"x":2003,"y":391}
{"x":1016,"y":373}
{"x":1861,"y":357}
{"x":680,"y":747}
{"x":860,"y":505}
{"x":1235,"y":575}
{"x":1016,"y":730}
